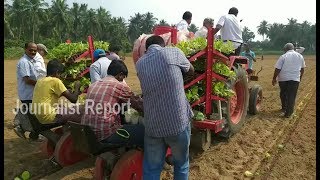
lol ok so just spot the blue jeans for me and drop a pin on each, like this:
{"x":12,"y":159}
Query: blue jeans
{"x":154,"y":155}
{"x":136,"y":134}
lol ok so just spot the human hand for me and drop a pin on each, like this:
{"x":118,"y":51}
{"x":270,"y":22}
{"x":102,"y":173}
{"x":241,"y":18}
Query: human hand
{"x":274,"y":81}
{"x":77,"y":85}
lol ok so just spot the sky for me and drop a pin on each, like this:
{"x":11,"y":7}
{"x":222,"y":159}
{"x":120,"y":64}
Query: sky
{"x":251,"y":11}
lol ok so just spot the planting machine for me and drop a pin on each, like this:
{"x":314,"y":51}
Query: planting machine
{"x":73,"y":142}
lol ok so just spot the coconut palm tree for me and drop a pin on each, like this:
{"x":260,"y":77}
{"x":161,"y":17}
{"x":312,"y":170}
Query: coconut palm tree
{"x":59,"y":13}
{"x":34,"y":8}
{"x":135,"y":27}
{"x":149,"y":22}
{"x":104,"y":19}
{"x":163,"y":23}
{"x":247,"y":35}
{"x":263,"y":28}
{"x":193,"y":28}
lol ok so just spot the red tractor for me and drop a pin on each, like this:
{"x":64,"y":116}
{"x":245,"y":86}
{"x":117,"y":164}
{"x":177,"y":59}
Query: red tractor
{"x":223,"y":116}
{"x":72,"y":142}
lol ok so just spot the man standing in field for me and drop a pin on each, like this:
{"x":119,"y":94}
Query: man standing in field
{"x":230,"y":30}
{"x":39,"y":65}
{"x":167,"y":113}
{"x":250,"y":55}
{"x":289,"y":70}
{"x":98,"y":69}
{"x":26,"y":79}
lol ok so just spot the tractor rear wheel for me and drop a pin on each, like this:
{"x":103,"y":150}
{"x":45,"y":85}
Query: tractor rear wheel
{"x":47,"y":147}
{"x":129,"y":166}
{"x":255,"y":99}
{"x":235,"y":109}
{"x":104,"y":165}
{"x":65,"y":153}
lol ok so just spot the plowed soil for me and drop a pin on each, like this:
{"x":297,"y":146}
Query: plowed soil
{"x":268,"y":146}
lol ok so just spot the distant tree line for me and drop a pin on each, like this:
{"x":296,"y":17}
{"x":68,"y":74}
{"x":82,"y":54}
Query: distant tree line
{"x":35,"y":20}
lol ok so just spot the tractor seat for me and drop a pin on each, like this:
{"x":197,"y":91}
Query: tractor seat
{"x":38,"y":127}
{"x":85,"y":140}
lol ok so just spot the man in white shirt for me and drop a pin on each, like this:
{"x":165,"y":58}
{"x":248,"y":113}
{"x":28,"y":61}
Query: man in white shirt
{"x":39,"y":64}
{"x":98,"y":69}
{"x":230,"y":30}
{"x":183,"y":25}
{"x":203,"y":31}
{"x":289,"y":70}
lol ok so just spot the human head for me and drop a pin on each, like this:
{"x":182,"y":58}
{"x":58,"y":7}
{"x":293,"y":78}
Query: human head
{"x":114,"y":48}
{"x":208,"y":22}
{"x":246,"y":46}
{"x":233,"y":11}
{"x":30,"y":49}
{"x":288,"y":46}
{"x":98,"y":53}
{"x":187,"y":16}
{"x":154,"y":40}
{"x":54,"y":68}
{"x":118,"y":69}
{"x":42,"y":49}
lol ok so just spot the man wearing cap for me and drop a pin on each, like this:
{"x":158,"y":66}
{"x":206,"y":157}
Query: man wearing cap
{"x":39,"y":65}
{"x":98,"y":69}
{"x":288,"y":71}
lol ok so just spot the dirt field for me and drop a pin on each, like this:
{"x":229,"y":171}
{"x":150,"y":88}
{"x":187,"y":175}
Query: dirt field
{"x":245,"y":151}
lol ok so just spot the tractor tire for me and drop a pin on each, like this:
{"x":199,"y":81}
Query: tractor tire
{"x":104,"y":164}
{"x":129,"y":166}
{"x":65,"y":153}
{"x":234,"y":111}
{"x":47,"y":147}
{"x":255,"y":99}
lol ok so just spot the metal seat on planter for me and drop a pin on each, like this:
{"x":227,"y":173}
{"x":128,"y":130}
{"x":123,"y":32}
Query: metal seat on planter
{"x":44,"y":129}
{"x":38,"y":127}
{"x":85,"y":140}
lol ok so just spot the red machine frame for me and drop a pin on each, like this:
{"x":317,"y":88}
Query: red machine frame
{"x":215,"y":125}
{"x":87,"y":53}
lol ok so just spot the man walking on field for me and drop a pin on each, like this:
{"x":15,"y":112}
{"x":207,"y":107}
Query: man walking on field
{"x":289,"y":70}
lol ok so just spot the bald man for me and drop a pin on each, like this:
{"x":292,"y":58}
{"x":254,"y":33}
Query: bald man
{"x":26,"y":79}
{"x":288,"y":71}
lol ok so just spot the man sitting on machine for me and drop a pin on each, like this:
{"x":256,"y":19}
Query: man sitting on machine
{"x":105,"y":100}
{"x":46,"y":96}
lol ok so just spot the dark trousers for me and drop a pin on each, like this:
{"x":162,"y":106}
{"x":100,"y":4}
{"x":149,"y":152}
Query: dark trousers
{"x":288,"y":93}
{"x":26,"y":104}
{"x":135,"y":132}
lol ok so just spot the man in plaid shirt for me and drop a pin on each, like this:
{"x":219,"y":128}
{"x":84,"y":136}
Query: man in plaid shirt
{"x":105,"y":99}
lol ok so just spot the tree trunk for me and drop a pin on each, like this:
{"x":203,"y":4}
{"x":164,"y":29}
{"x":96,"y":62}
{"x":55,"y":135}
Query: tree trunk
{"x":33,"y":33}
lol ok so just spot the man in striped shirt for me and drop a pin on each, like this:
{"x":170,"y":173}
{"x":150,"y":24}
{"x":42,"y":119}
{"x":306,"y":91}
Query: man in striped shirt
{"x":167,"y":113}
{"x":105,"y":100}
